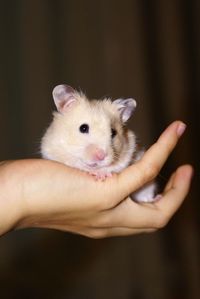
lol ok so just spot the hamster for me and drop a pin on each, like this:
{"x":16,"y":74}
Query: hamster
{"x":92,"y":136}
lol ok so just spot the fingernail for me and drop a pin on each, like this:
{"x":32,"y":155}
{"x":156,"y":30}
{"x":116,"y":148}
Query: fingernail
{"x":157,"y":197}
{"x":181,"y":129}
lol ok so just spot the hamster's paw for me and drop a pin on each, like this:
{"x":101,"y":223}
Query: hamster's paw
{"x":100,"y":175}
{"x":146,"y":193}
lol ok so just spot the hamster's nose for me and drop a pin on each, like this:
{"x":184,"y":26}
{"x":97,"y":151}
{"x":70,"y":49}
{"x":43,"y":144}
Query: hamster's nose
{"x":95,"y":153}
{"x":99,"y":154}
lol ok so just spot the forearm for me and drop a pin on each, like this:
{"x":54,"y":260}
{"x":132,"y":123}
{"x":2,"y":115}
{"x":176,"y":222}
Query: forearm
{"x":35,"y":192}
{"x":10,"y":206}
{"x":29,"y":189}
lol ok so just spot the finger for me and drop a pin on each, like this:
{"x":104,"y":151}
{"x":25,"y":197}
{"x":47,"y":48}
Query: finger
{"x":151,"y":215}
{"x":175,"y":191}
{"x":169,"y":183}
{"x":129,"y":214}
{"x":152,"y":161}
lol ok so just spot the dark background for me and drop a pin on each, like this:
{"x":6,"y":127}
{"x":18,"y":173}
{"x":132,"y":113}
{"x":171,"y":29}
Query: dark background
{"x":149,"y":50}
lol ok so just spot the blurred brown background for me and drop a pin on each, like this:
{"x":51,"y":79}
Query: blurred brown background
{"x":149,"y":50}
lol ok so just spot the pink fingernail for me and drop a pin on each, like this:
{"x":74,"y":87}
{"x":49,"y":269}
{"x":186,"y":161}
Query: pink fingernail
{"x":157,"y":197}
{"x":181,"y":129}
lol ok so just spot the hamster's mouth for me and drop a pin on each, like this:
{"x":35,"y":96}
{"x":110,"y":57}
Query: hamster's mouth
{"x":92,"y":165}
{"x":95,"y":165}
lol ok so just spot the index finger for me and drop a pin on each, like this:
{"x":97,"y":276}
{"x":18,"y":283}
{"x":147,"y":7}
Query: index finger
{"x":146,"y":169}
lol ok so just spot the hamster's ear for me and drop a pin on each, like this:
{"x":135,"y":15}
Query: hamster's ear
{"x":63,"y":96}
{"x":125,"y":107}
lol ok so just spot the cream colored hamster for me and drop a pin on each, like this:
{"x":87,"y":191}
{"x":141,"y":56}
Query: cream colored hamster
{"x":92,"y":136}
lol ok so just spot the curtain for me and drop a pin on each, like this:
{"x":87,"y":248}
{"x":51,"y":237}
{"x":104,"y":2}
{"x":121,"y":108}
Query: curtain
{"x":149,"y":50}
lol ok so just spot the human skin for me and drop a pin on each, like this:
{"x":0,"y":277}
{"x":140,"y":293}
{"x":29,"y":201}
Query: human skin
{"x":48,"y":194}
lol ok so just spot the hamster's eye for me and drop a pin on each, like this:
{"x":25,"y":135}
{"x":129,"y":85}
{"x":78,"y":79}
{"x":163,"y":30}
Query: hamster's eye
{"x":84,"y":128}
{"x":113,"y":133}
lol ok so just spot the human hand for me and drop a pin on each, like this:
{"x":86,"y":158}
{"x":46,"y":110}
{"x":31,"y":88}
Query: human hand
{"x":51,"y":195}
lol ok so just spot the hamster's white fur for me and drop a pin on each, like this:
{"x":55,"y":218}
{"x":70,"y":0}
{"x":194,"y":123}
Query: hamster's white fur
{"x":92,"y":136}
